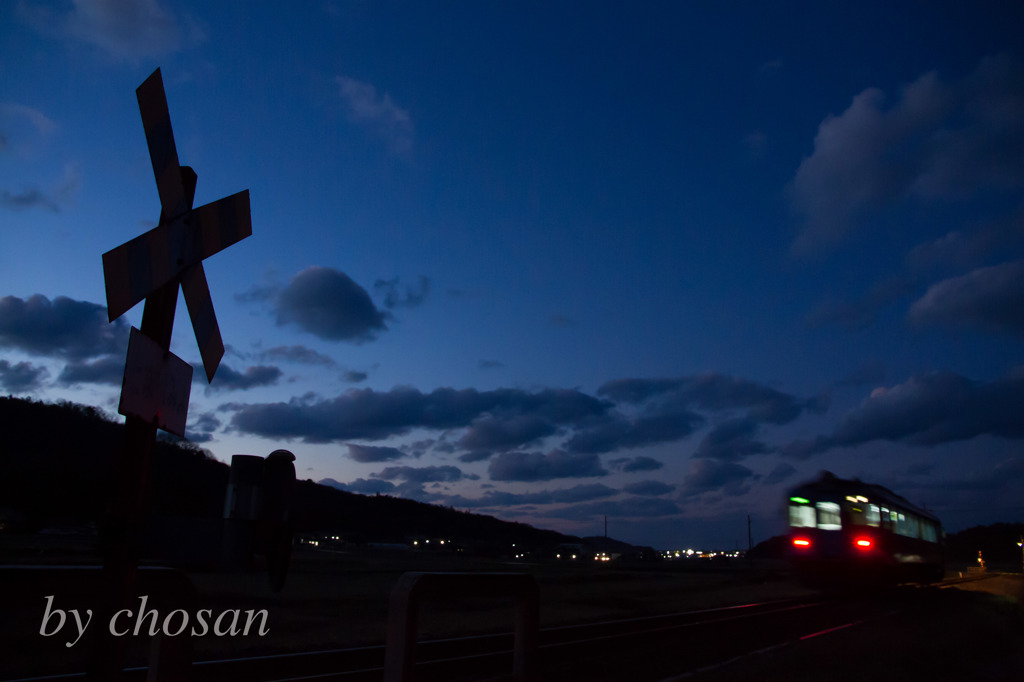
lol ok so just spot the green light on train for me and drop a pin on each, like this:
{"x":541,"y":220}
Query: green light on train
{"x":800,"y":500}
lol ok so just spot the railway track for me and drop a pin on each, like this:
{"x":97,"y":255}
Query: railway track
{"x":473,"y":657}
{"x":674,"y":646}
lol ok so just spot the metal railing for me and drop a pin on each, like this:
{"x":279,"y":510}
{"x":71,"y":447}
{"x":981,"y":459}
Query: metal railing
{"x":414,"y":587}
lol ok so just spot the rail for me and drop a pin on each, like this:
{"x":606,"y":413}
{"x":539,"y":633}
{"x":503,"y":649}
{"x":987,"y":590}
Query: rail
{"x":367,"y":662}
{"x":451,"y":658}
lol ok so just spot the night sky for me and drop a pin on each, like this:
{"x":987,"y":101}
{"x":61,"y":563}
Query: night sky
{"x":549,"y":261}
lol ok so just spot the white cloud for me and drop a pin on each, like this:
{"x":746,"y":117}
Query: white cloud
{"x":377,"y":112}
{"x":53,"y":199}
{"x":11,"y":113}
{"x":990,"y":298}
{"x":926,"y":410}
{"x":127,"y":29}
{"x":938,"y":141}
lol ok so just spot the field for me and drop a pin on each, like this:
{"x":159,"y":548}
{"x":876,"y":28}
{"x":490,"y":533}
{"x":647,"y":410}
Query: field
{"x":336,"y":600}
{"x":342,"y":599}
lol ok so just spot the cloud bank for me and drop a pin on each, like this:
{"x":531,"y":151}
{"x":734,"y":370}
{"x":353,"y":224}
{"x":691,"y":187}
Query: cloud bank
{"x":534,"y":466}
{"x":62,"y":328}
{"x":328,"y":304}
{"x":365,"y":414}
{"x":928,"y":409}
{"x":23,"y":377}
{"x":377,"y":113}
{"x":990,"y":299}
{"x":126,"y":29}
{"x":937,"y":140}
{"x":229,"y":379}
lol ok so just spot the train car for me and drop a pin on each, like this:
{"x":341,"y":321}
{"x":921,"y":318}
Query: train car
{"x":848,"y":531}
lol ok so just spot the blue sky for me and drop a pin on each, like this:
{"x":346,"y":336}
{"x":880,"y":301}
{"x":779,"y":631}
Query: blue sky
{"x":551,"y":263}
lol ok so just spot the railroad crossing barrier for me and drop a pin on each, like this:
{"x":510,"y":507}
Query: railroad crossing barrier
{"x":166,"y":589}
{"x":414,"y":587}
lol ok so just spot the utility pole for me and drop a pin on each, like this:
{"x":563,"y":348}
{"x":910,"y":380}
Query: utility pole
{"x":750,"y":544}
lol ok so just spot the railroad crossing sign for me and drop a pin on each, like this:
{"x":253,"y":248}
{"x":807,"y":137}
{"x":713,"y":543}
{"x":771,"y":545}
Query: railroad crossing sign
{"x":175,"y":249}
{"x":156,"y":384}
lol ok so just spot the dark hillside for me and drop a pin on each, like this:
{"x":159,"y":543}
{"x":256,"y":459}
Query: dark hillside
{"x":55,"y":464}
{"x":365,"y":518}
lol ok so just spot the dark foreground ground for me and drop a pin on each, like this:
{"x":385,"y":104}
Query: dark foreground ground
{"x":335,"y":600}
{"x":970,"y":631}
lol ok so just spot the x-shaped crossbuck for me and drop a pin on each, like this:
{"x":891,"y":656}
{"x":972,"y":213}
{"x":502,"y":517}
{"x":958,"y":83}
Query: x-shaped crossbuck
{"x":176,"y":247}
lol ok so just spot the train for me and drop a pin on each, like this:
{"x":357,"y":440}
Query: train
{"x":850,"y":532}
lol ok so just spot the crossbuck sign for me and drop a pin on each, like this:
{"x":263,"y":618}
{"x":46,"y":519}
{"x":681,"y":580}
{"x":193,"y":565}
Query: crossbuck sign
{"x":156,"y":386}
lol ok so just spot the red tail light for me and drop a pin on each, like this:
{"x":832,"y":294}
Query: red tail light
{"x":801,"y":542}
{"x":863,"y":543}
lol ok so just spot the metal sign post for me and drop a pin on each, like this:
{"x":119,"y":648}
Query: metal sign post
{"x":155,"y":390}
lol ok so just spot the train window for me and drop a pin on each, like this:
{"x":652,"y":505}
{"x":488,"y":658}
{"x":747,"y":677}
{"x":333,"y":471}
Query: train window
{"x":884,"y":519}
{"x":801,"y":516}
{"x":906,"y":525}
{"x":857,"y":515}
{"x":828,"y":516}
{"x":872,"y":515}
{"x":928,"y":531}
